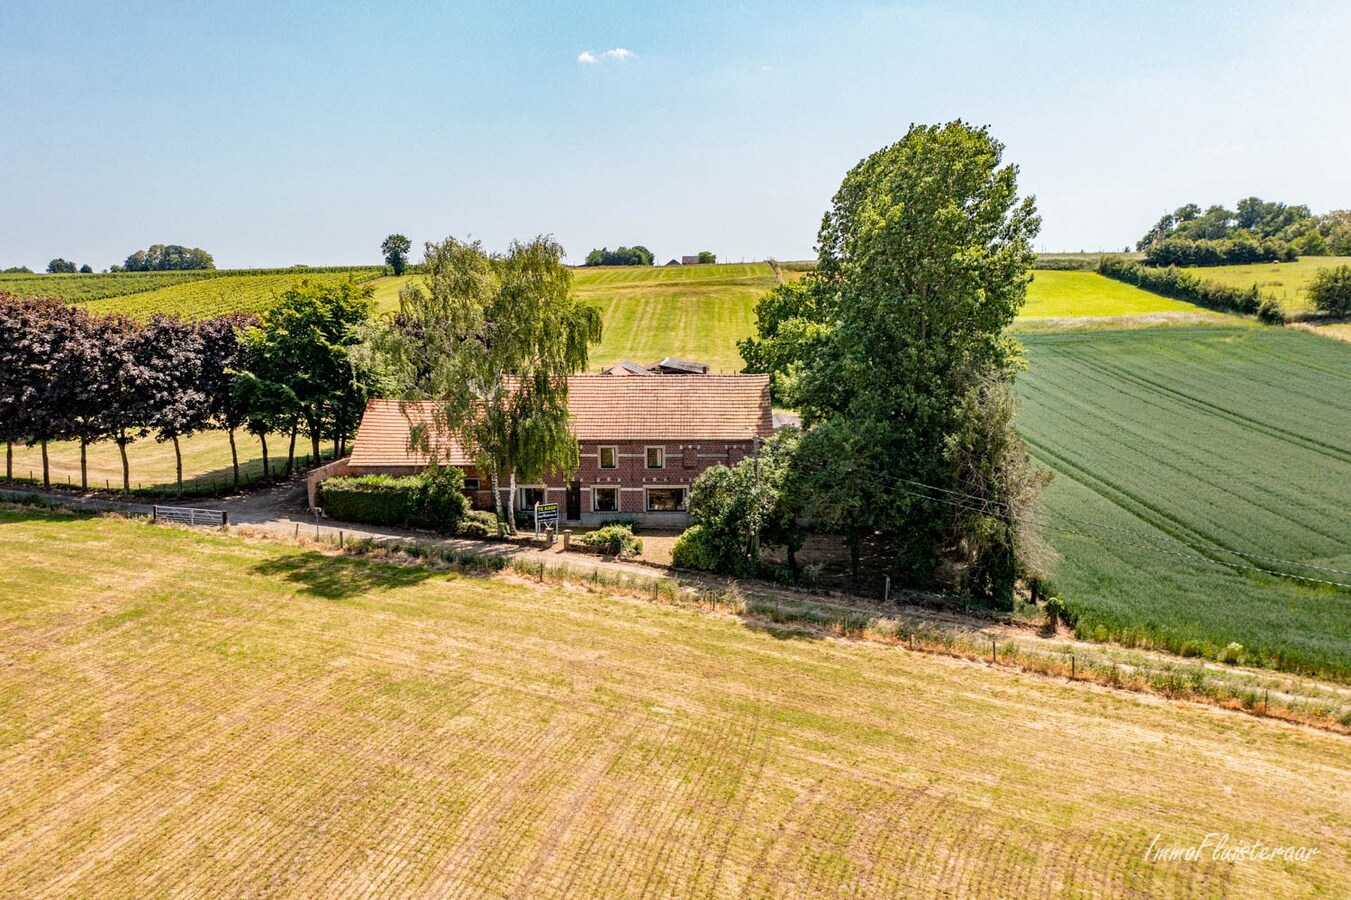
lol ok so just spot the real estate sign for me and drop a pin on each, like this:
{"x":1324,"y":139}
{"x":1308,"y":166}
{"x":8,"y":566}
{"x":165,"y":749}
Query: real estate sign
{"x":546,"y":516}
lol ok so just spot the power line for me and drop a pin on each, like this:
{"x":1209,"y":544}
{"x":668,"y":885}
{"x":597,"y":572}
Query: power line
{"x":1134,"y":531}
{"x":970,"y":499}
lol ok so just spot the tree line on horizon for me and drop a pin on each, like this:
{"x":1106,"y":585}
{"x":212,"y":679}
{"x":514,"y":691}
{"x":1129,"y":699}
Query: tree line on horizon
{"x":1255,"y":231}
{"x":67,"y":374}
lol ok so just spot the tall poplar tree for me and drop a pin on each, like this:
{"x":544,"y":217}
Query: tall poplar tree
{"x":895,"y":352}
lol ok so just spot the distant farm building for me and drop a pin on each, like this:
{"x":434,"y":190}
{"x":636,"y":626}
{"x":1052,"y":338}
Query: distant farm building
{"x":667,"y":366}
{"x":689,"y":260}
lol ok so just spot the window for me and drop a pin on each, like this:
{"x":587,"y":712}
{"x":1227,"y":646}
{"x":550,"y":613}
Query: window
{"x":656,"y":457}
{"x":665,"y":499}
{"x":532,"y":495}
{"x":605,"y":499}
{"x":609,"y":457}
{"x":471,"y":484}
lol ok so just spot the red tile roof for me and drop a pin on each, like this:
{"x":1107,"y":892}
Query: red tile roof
{"x":659,"y":408}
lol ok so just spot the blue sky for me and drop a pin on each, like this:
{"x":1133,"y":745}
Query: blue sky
{"x":304,"y":132}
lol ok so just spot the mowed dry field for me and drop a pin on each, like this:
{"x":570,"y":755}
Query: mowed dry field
{"x":187,"y":713}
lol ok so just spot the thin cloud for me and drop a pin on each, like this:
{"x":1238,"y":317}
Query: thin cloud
{"x":618,"y":54}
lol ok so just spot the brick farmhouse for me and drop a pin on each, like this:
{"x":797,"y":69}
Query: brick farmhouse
{"x":642,"y":443}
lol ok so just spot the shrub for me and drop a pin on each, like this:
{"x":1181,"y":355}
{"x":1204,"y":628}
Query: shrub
{"x":1330,"y":290}
{"x":1270,"y":312}
{"x":615,"y":540}
{"x":1055,"y":612}
{"x":630,"y":524}
{"x":441,"y":504}
{"x":478,"y":523}
{"x":697,"y":549}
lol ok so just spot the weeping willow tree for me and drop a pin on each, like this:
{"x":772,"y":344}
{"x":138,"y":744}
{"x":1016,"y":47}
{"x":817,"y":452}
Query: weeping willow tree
{"x":492,"y":338}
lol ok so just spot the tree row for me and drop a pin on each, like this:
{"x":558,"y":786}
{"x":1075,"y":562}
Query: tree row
{"x":70,"y":375}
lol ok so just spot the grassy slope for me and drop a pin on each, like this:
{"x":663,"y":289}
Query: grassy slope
{"x":206,"y":461}
{"x":692,"y":312}
{"x":1075,"y":294}
{"x":1284,"y":281}
{"x":1194,"y":437}
{"x":700,"y":312}
{"x":244,"y":718}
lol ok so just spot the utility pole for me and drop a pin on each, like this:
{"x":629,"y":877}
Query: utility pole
{"x":755,"y":532}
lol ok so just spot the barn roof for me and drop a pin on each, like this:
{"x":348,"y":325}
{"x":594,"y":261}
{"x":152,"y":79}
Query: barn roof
{"x":604,"y":408}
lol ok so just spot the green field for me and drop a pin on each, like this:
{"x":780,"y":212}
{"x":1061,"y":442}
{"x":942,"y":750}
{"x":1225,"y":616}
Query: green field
{"x":1212,"y":444}
{"x":691,"y":312}
{"x":1284,"y":281}
{"x":83,"y":288}
{"x":1056,"y":294}
{"x":205,"y":715}
{"x":206,"y":462}
{"x":192,"y":294}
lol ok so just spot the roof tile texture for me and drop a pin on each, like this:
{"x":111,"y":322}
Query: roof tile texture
{"x":659,"y":408}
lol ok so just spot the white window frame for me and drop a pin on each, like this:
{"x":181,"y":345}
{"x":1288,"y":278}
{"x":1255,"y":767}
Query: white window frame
{"x":647,"y":456}
{"x":684,"y":497}
{"x":520,"y":495}
{"x":600,"y":456}
{"x":473,"y":485}
{"x":595,"y":507}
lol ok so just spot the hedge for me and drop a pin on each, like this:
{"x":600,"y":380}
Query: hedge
{"x":1172,"y":282}
{"x":434,"y":499}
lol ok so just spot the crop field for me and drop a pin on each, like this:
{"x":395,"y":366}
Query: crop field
{"x":131,"y":291}
{"x":1066,"y":294}
{"x":1284,"y":281}
{"x":1186,"y":460}
{"x":207,"y":297}
{"x":84,"y":288}
{"x":206,"y":462}
{"x":202,"y":714}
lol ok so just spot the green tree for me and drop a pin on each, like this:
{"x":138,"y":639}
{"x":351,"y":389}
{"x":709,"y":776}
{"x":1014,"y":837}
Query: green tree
{"x":169,"y":258}
{"x":1336,"y":230}
{"x":637,"y":255}
{"x":924,"y":262}
{"x":746,"y":508}
{"x":1330,"y":290}
{"x":492,"y":338}
{"x":707,"y":256}
{"x":60,"y":266}
{"x":300,"y":364}
{"x":395,"y":248}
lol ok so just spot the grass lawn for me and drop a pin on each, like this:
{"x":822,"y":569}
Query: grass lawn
{"x":1176,"y":449}
{"x":206,"y":461}
{"x":210,"y":715}
{"x":1284,"y":281}
{"x":1068,"y":294}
